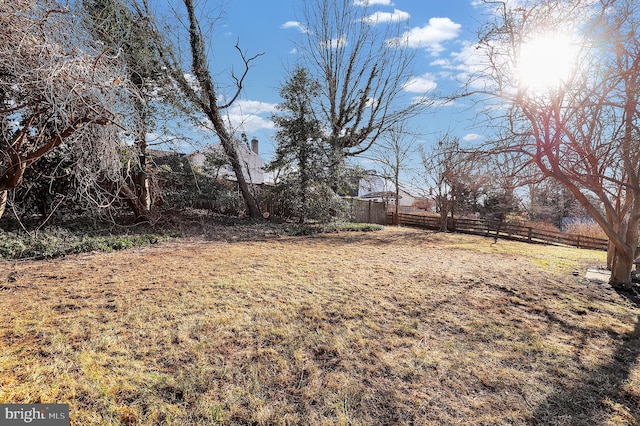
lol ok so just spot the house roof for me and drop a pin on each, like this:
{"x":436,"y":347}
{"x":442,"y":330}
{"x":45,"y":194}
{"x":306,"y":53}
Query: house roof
{"x":380,"y":194}
{"x":158,"y":153}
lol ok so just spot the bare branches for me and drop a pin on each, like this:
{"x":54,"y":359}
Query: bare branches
{"x":581,"y":130}
{"x":55,"y":89}
{"x":204,"y":94}
{"x":362,"y":68}
{"x":239,"y":81}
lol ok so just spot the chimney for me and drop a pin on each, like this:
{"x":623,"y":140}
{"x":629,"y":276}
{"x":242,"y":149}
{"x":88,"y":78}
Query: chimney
{"x":254,"y":145}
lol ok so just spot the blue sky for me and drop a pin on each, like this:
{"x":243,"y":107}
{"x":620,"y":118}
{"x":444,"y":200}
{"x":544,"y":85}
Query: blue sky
{"x":441,"y":32}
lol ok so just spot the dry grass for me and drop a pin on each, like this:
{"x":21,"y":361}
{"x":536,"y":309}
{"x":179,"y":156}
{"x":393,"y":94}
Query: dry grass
{"x":587,"y":228}
{"x":393,"y":327}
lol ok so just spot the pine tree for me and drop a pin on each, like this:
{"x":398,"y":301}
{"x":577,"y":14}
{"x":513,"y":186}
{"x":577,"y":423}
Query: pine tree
{"x":300,"y":154}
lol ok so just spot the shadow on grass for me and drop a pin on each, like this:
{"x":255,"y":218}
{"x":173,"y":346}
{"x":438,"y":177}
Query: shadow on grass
{"x":600,"y":395}
{"x":633,"y":295}
{"x":379,"y":238}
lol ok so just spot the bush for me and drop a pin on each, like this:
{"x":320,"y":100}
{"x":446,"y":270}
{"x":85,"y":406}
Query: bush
{"x":183,"y":186}
{"x":585,"y":227}
{"x":361,"y":227}
{"x":11,"y":247}
{"x":302,"y":230}
{"x":310,"y":229}
{"x":58,"y":242}
{"x":322,"y":205}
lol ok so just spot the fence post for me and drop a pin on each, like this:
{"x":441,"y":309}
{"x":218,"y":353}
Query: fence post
{"x":529,"y":230}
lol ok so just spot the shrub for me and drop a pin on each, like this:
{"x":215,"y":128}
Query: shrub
{"x":585,"y":227}
{"x":11,"y":247}
{"x":361,"y":227}
{"x":58,"y":242}
{"x":321,"y":205}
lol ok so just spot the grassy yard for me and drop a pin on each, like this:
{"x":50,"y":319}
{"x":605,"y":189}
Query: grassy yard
{"x":399,"y":326}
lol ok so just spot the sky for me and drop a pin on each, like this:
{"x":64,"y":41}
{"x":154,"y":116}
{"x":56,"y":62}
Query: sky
{"x":442,"y":33}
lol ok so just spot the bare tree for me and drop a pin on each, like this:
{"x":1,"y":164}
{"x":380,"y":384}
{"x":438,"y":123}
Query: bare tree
{"x":551,"y":202}
{"x":204,"y":94}
{"x":363,"y":67}
{"x":447,"y":171}
{"x":582,"y":129}
{"x":118,"y":28}
{"x":393,"y":153}
{"x":54,"y":90}
{"x":504,"y":174}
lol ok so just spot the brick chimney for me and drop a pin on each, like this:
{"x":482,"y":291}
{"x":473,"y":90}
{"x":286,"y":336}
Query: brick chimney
{"x":254,"y":145}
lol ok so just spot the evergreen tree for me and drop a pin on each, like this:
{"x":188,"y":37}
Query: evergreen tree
{"x":300,"y":156}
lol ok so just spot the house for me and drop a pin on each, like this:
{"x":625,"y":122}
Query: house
{"x":377,"y":188}
{"x":252,"y":163}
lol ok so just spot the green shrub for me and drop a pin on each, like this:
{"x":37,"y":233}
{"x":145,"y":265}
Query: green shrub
{"x":11,"y":247}
{"x":361,"y":227}
{"x":316,"y":228}
{"x":301,"y":230}
{"x":59,"y":242}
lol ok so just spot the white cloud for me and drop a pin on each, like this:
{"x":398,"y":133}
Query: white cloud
{"x":440,"y":63}
{"x":472,"y":137}
{"x":371,"y":102}
{"x":422,"y":100}
{"x":468,"y":62}
{"x":294,"y":24}
{"x":421,"y":84}
{"x":335,"y":43}
{"x":254,"y":107}
{"x":251,"y":116}
{"x":444,"y":103}
{"x":365,"y":3}
{"x":380,"y":17}
{"x":432,"y":102}
{"x":465,"y":66}
{"x":497,"y":6}
{"x":432,"y":35}
{"x":249,"y":122}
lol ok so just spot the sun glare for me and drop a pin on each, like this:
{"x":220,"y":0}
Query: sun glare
{"x":546,"y":61}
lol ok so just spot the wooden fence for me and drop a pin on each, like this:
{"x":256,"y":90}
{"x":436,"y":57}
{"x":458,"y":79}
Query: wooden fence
{"x":507,"y":230}
{"x":368,"y":211}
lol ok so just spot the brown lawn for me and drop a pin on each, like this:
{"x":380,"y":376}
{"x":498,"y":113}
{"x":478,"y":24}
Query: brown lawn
{"x":399,"y":327}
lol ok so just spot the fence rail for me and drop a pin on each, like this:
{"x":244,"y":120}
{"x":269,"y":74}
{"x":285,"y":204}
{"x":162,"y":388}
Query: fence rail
{"x":508,"y":230}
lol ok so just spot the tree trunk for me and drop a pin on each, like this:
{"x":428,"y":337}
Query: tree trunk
{"x":623,"y":256}
{"x":304,"y":186}
{"x":396,"y":217}
{"x":621,"y":270}
{"x":227,"y":144}
{"x":611,"y":254}
{"x":334,"y":173}
{"x":209,"y":105}
{"x":141,"y":213}
{"x":3,"y":201}
{"x":611,"y":249}
{"x":142,"y":183}
{"x":143,"y":188}
{"x":142,"y":178}
{"x":444,"y":212}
